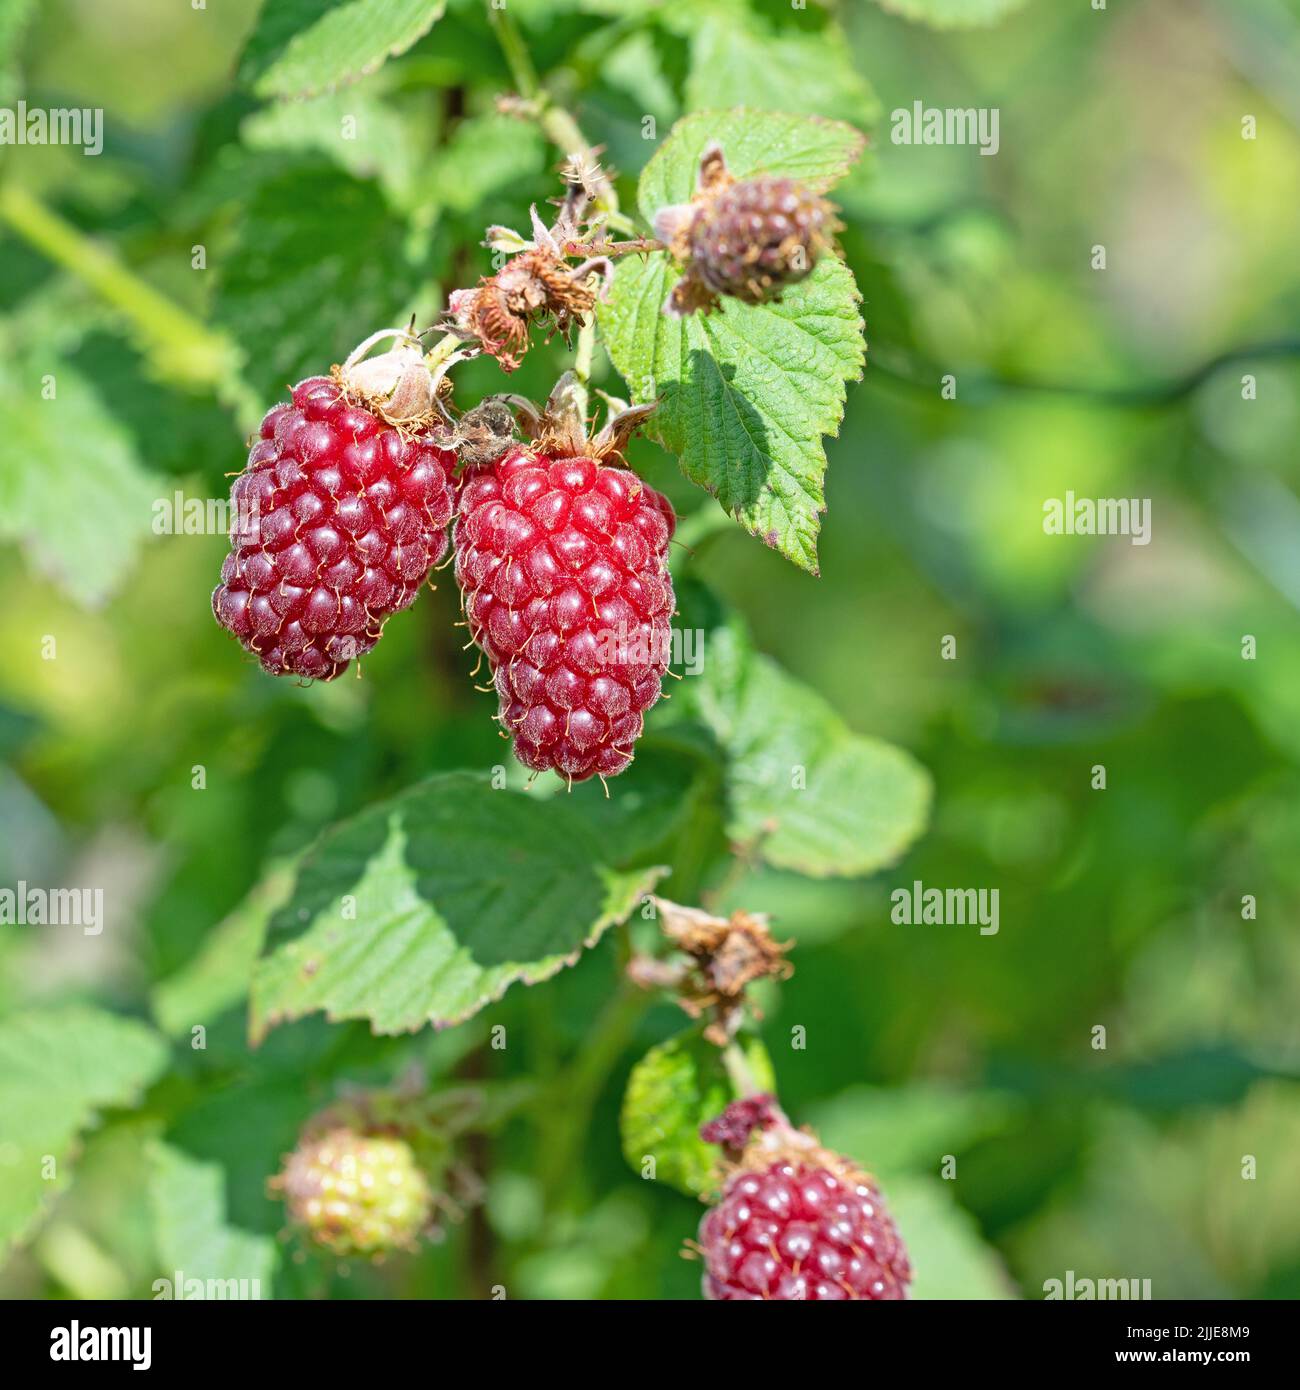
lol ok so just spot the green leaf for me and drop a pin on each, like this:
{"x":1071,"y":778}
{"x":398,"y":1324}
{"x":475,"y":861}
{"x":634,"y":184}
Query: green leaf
{"x":745,"y":394}
{"x":952,"y":14}
{"x":277,"y":23}
{"x":217,"y":978}
{"x":816,"y":152}
{"x":71,"y":488}
{"x":357,"y":130}
{"x":948,"y":1255}
{"x":485,"y":155}
{"x":189,"y":1210}
{"x":298,"y":302}
{"x":891,"y":1131}
{"x":318,"y":47}
{"x":804,"y":792}
{"x":674,"y":1089}
{"x":737,"y":62}
{"x":58,"y":1068}
{"x":427,"y":907}
{"x":650,"y":804}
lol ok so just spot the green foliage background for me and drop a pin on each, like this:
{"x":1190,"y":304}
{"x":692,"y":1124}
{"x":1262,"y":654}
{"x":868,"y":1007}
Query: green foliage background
{"x":1120,"y":908}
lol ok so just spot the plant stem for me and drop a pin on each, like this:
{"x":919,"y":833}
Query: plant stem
{"x":582,"y":360}
{"x":738,"y":1069}
{"x":565,"y":1130}
{"x":181,"y":344}
{"x":557,"y":124}
{"x":586,"y":349}
{"x":515,"y":51}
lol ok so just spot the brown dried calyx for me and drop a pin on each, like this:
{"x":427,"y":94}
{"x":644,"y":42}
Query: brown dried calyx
{"x":724,"y":956}
{"x":559,"y":430}
{"x":537,"y":285}
{"x":746,"y":239}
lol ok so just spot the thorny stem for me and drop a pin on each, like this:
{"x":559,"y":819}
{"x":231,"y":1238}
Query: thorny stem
{"x":562,"y":130}
{"x":642,"y":245}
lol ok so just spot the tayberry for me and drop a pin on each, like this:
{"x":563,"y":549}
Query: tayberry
{"x":793,"y":1231}
{"x":563,"y":567}
{"x":337,"y":520}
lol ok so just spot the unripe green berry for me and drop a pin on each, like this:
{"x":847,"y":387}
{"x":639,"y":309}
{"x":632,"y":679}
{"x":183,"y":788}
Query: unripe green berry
{"x":356,"y":1194}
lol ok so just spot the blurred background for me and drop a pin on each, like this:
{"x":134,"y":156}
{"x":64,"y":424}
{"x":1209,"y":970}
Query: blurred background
{"x":225,"y":244}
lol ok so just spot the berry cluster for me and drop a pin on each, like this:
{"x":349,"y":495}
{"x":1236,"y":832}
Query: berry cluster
{"x":561,"y":553}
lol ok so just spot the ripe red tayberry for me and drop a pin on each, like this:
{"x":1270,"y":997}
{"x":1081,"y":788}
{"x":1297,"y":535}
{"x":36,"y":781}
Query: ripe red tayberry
{"x":795,"y":1220}
{"x":338,"y":519}
{"x":563,"y":567}
{"x":794,"y":1230}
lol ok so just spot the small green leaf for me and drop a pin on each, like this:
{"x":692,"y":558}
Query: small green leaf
{"x":317,"y":47}
{"x":804,"y":792}
{"x":952,"y":14}
{"x":189,"y":1211}
{"x":57,"y":1069}
{"x":674,"y":1089}
{"x":298,"y":303}
{"x":71,"y":488}
{"x":426,"y":908}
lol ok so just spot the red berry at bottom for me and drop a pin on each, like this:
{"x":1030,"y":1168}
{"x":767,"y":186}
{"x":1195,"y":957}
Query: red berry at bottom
{"x":795,"y":1231}
{"x":562,"y":563}
{"x":338,"y":519}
